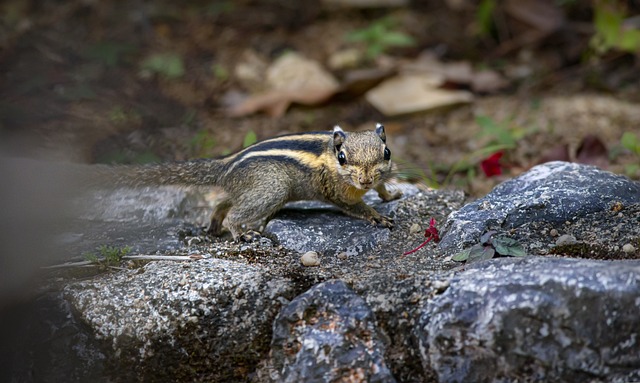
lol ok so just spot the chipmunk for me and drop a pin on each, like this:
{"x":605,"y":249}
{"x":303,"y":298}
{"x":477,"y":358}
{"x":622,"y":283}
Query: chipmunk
{"x":332,"y":166}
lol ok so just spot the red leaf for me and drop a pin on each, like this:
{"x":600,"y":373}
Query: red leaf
{"x":431,"y":234}
{"x":491,"y":165}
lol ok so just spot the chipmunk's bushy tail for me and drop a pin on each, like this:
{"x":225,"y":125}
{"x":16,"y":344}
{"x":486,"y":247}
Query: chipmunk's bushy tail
{"x":203,"y":172}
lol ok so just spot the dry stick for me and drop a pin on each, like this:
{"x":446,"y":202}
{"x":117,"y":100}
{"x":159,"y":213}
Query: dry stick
{"x":130,"y":257}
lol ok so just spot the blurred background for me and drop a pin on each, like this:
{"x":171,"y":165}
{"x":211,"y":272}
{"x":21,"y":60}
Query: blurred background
{"x":471,"y":92}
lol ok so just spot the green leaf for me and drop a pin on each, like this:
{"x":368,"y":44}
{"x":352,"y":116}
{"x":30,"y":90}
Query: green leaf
{"x":462,"y":256}
{"x":630,"y":40}
{"x":485,"y":239}
{"x":398,"y":39}
{"x":631,"y":142}
{"x":484,"y":16}
{"x":109,"y":53}
{"x":608,"y":23}
{"x":508,"y":247}
{"x":632,"y":170}
{"x":169,"y":65}
{"x":480,"y":253}
{"x":91,"y":257}
{"x":249,"y":139}
{"x":498,"y":131}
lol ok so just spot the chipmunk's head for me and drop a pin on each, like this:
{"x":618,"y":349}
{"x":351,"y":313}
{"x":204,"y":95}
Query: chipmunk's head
{"x":362,"y":158}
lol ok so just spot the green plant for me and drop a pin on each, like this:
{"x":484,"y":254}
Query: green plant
{"x":489,"y":246}
{"x":169,"y":65}
{"x":249,"y":139}
{"x":110,"y":53}
{"x":202,"y":143}
{"x":631,"y":142}
{"x":504,"y":133}
{"x":611,"y":33}
{"x":484,"y":16}
{"x":220,"y":72}
{"x":109,"y":256}
{"x":380,"y":36}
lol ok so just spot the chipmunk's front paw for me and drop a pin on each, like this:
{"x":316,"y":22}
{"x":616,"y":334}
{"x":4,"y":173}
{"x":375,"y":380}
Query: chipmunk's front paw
{"x":382,"y":220}
{"x":249,"y":236}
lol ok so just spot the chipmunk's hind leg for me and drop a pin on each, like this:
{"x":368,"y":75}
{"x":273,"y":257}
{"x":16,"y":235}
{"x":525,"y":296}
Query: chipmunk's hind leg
{"x":218,"y":216}
{"x":256,"y":205}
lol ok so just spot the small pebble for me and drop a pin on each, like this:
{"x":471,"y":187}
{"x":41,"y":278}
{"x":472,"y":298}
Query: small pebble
{"x":310,"y":258}
{"x":342,"y":256}
{"x":628,"y":248}
{"x":415,"y":228}
{"x":566,"y":239}
{"x":553,"y":233}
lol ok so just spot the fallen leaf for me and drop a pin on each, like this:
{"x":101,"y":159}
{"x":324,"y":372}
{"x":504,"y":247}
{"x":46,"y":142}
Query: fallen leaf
{"x":592,"y":151}
{"x":291,"y":79}
{"x":410,"y":93}
{"x":460,"y":73}
{"x":488,"y":81}
{"x":276,"y":102}
{"x":358,"y":82}
{"x":556,"y":153}
{"x":543,"y":15}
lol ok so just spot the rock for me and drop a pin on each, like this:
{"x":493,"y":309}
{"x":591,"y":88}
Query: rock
{"x":566,"y":239}
{"x":217,"y":311}
{"x":554,"y":192}
{"x":328,"y":334}
{"x":213,"y":319}
{"x":145,"y":219}
{"x":328,"y":230}
{"x":310,"y":258}
{"x":628,"y":248}
{"x":542,"y":319}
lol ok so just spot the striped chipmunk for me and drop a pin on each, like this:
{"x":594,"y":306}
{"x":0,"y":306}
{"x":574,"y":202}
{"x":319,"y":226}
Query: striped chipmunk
{"x":332,"y":166}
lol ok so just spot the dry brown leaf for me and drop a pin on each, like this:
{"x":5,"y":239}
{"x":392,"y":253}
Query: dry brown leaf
{"x":275,"y":103}
{"x":592,"y":151}
{"x":292,"y":79}
{"x":488,"y":81}
{"x":543,"y":15}
{"x":413,"y":93}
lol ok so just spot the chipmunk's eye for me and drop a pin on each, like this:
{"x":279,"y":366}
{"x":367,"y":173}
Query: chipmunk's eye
{"x":387,"y":154}
{"x":342,"y":158}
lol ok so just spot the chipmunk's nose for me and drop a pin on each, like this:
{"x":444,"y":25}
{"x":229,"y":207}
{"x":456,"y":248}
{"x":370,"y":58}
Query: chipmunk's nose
{"x":365,"y":181}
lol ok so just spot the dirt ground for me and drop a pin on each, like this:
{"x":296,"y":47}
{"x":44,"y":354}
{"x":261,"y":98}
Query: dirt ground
{"x":78,"y":83}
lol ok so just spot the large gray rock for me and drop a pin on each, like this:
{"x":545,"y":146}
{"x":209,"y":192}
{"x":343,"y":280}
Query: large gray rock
{"x":330,"y":231}
{"x":328,"y":334}
{"x":535,"y":319}
{"x":553,"y":192}
{"x":194,"y":325}
{"x":213,"y":319}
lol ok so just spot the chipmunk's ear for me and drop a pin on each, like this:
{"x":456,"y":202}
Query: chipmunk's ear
{"x":338,"y":137}
{"x":380,"y":132}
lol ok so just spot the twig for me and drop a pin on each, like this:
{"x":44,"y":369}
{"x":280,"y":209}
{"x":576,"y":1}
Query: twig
{"x":130,"y":257}
{"x":159,"y":257}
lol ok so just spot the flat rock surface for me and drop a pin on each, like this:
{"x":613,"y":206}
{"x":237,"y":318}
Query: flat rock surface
{"x":329,"y":231}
